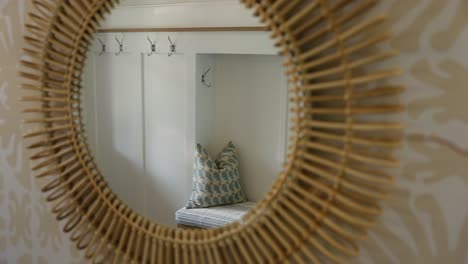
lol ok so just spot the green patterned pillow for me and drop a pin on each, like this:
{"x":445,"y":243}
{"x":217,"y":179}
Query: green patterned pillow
{"x":216,"y":182}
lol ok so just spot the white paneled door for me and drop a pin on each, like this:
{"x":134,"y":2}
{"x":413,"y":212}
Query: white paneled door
{"x":164,"y":98}
{"x":117,"y":138}
{"x":135,"y":119}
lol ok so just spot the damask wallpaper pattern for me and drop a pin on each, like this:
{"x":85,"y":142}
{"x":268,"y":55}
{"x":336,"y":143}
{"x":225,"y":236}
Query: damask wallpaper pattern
{"x":426,"y":219}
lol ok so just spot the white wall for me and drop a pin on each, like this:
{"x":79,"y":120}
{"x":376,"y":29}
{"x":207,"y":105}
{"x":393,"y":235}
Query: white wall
{"x":205,"y":98}
{"x":246,"y":104}
{"x":153,"y":13}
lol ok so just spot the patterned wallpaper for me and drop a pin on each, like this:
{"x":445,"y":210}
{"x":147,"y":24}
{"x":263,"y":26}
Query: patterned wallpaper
{"x":424,"y":222}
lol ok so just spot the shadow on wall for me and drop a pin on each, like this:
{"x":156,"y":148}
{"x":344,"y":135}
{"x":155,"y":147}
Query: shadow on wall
{"x":415,"y":226}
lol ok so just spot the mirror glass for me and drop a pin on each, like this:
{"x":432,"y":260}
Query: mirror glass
{"x":185,"y":109}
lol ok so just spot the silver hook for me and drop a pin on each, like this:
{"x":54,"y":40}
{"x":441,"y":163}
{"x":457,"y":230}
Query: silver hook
{"x":172,"y":47}
{"x":153,"y":47}
{"x":103,"y":47}
{"x":203,"y":78}
{"x":120,"y":46}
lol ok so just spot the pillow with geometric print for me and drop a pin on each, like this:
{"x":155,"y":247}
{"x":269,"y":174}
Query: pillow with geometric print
{"x":216,"y":182}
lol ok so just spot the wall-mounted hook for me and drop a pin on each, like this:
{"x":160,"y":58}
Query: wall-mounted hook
{"x":203,"y":78}
{"x":153,"y":47}
{"x":172,"y":47}
{"x":103,"y":47}
{"x":120,"y":46}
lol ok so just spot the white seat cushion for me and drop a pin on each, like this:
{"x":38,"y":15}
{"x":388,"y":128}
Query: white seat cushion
{"x":215,"y":216}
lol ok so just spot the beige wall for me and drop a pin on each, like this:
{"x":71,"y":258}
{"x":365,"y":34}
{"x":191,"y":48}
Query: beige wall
{"x":426,"y":220}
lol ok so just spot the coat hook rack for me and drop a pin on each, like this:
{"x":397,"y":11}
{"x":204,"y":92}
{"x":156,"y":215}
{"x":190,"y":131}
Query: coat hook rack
{"x":120,"y":46}
{"x":172,"y":47}
{"x":153,"y":47}
{"x":103,"y":47}
{"x":203,"y":78}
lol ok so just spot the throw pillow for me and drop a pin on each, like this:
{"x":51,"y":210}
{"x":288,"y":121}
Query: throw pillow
{"x":216,"y":182}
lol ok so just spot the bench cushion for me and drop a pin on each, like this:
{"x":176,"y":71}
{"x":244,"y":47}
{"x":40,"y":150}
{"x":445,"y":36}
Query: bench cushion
{"x":212,"y":217}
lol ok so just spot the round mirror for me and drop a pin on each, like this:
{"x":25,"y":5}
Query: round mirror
{"x":166,"y":115}
{"x":185,"y":110}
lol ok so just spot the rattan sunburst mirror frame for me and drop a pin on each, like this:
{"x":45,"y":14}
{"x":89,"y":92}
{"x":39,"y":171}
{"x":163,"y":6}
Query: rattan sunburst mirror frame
{"x":323,"y":201}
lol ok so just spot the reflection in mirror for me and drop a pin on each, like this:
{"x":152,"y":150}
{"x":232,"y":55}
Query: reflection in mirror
{"x":188,"y":125}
